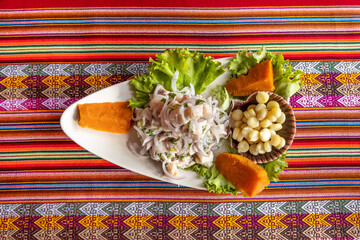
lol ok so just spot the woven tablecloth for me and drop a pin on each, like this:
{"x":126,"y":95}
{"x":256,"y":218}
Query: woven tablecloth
{"x":53,"y":54}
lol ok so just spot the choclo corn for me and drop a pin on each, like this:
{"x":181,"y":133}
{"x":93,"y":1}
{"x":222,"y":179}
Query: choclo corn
{"x":255,"y":129}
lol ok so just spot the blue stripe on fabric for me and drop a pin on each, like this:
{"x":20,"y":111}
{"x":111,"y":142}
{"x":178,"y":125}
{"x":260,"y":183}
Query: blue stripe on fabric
{"x":183,"y":20}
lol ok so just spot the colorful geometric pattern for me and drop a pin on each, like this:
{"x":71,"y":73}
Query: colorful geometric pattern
{"x":329,"y":219}
{"x":55,"y":52}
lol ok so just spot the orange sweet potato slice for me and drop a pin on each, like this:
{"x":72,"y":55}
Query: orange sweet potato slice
{"x":108,"y":116}
{"x":243,"y":173}
{"x":259,"y":78}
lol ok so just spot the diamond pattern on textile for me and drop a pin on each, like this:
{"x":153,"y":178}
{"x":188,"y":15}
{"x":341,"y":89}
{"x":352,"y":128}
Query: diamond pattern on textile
{"x":92,"y":234}
{"x":354,"y":232}
{"x":317,"y":232}
{"x":310,"y":101}
{"x":347,"y":66}
{"x":118,"y":68}
{"x":139,"y":208}
{"x":50,"y":209}
{"x":94,"y":208}
{"x":353,"y":206}
{"x":8,"y":210}
{"x":138,"y":68}
{"x":98,"y":69}
{"x":350,"y":101}
{"x":56,"y":103}
{"x":271,"y":208}
{"x":76,"y":69}
{"x":315,"y":207}
{"x":14,"y":82}
{"x":306,"y":67}
{"x":15,"y":70}
{"x":183,"y":209}
{"x":138,"y":233}
{"x":56,"y":69}
{"x":45,"y":234}
{"x":272,"y":233}
{"x":13,"y":104}
{"x":6,"y":234}
{"x":182,"y":234}
{"x":227,"y":209}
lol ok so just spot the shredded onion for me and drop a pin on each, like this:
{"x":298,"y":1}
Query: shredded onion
{"x":169,"y":174}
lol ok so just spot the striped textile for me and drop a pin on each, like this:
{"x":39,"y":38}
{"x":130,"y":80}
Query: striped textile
{"x":51,"y":187}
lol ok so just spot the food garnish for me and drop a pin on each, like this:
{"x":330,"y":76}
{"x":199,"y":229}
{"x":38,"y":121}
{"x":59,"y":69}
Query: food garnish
{"x":112,"y":117}
{"x":259,"y":78}
{"x":255,"y":129}
{"x":286,"y":80}
{"x":244,"y":174}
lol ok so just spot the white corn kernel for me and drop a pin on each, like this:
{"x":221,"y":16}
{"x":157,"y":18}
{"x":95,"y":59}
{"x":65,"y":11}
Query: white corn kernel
{"x":276,"y":112}
{"x":260,"y":148}
{"x":261,"y":115}
{"x":252,"y":149}
{"x":238,"y":123}
{"x":252,"y":112}
{"x":271,"y":117}
{"x":276,"y":127}
{"x":281,"y":143}
{"x":260,"y":107}
{"x":254,"y":135}
{"x":265,"y":123}
{"x":247,"y":114}
{"x":281,"y":119}
{"x":252,"y":106}
{"x":267,"y":146}
{"x":236,"y":133}
{"x":245,"y":131}
{"x":275,"y":140}
{"x":262,"y":97}
{"x":273,"y":133}
{"x":243,"y":146}
{"x":243,"y":125}
{"x":240,"y":137}
{"x":265,"y":134}
{"x":237,"y":114}
{"x":272,"y":104}
{"x":244,"y":119}
{"x":253,"y":122}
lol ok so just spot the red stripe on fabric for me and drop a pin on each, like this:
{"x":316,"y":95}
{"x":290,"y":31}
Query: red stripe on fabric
{"x":165,"y":3}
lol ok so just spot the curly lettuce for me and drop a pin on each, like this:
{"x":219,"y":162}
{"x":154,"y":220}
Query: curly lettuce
{"x":193,"y":67}
{"x":286,"y":80}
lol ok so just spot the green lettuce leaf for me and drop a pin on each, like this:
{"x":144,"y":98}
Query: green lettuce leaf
{"x":215,"y":181}
{"x":273,"y":168}
{"x":221,"y":94}
{"x":193,"y":67}
{"x":286,"y":80}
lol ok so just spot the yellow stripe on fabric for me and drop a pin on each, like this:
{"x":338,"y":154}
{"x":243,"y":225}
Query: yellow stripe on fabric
{"x":14,"y":82}
{"x":348,"y":78}
{"x":56,"y":81}
{"x":316,"y":219}
{"x":93,"y":221}
{"x":138,"y":221}
{"x":49,"y":222}
{"x":272,"y":221}
{"x":7,"y":223}
{"x":227,"y":222}
{"x":310,"y":79}
{"x":354,"y":219}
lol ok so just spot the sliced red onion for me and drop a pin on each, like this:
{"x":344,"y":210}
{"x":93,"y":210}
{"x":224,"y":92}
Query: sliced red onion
{"x":169,"y":174}
{"x":133,"y":149}
{"x":174,"y":80}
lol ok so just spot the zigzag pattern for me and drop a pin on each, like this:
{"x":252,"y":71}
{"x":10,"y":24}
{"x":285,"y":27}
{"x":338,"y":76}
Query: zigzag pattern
{"x":154,"y":220}
{"x":57,"y":86}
